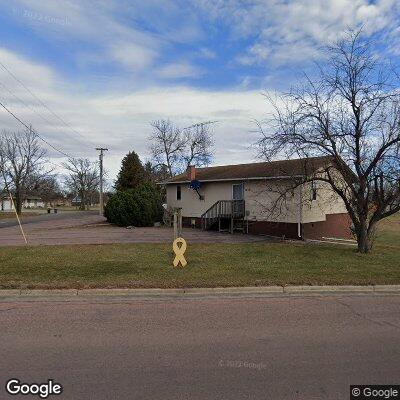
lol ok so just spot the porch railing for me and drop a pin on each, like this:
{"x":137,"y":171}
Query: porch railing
{"x":234,"y":209}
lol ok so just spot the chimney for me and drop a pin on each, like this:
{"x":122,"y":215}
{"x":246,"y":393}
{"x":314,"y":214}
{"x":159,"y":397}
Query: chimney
{"x":191,"y":171}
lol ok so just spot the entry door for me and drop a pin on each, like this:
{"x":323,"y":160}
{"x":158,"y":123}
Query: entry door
{"x":237,"y":191}
{"x":237,"y":194}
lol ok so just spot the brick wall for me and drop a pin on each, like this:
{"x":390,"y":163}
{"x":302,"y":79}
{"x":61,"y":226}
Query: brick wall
{"x":335,"y":226}
{"x":289,"y":230}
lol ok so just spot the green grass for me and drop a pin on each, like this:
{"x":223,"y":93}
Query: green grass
{"x":210,"y":265}
{"x":389,"y":232}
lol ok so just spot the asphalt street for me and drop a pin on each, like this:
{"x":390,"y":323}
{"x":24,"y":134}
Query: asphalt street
{"x":61,"y":215}
{"x":282,"y":347}
{"x":88,"y":227}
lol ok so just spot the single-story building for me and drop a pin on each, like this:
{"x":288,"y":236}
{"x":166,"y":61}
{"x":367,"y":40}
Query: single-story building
{"x":260,"y":198}
{"x":76,"y":201}
{"x":6,"y":204}
{"x":33,"y":202}
{"x":29,"y":203}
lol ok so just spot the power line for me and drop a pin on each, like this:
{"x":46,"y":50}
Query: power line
{"x":39,"y":100}
{"x":25,"y":104}
{"x":200,"y":124}
{"x":38,"y":135}
{"x":28,"y":106}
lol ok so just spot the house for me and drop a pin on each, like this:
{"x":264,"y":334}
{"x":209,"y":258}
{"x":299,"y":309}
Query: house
{"x":260,"y":198}
{"x":60,"y":202}
{"x":33,"y":202}
{"x":29,"y":202}
{"x":6,"y":204}
{"x":76,"y":201}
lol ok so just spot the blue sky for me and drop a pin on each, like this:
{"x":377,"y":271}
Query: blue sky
{"x":109,"y":68}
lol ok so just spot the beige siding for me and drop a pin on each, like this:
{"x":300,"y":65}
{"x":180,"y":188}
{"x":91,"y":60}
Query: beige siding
{"x":261,"y":201}
{"x":328,"y":202}
{"x":190,"y":203}
{"x":260,"y":197}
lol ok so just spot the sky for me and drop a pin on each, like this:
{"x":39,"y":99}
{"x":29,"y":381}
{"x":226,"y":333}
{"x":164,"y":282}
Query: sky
{"x":97,"y":73}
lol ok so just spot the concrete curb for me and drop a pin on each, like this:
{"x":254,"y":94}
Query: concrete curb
{"x":44,"y":292}
{"x":347,"y":288}
{"x":188,"y":292}
{"x":387,"y":288}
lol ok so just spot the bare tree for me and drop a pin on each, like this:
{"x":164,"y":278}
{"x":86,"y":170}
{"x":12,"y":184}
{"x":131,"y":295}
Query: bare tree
{"x":47,"y":187}
{"x":166,"y":145}
{"x":351,"y":113}
{"x":83,"y":179}
{"x":22,"y":160}
{"x":197,"y":149}
{"x":177,"y":148}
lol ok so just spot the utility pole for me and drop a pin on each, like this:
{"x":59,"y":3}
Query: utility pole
{"x":101,"y":155}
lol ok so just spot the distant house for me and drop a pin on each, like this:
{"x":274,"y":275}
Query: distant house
{"x":60,"y":202}
{"x":33,"y":202}
{"x":76,"y":201}
{"x":243,"y":197}
{"x":6,"y":204}
{"x":30,"y":202}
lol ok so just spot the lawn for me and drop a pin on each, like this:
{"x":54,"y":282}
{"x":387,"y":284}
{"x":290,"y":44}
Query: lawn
{"x":210,"y":265}
{"x":25,"y":214}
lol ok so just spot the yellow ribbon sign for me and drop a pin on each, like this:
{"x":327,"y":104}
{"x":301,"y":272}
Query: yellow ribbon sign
{"x":179,"y":251}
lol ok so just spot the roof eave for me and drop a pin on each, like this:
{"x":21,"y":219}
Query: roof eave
{"x":256,"y":178}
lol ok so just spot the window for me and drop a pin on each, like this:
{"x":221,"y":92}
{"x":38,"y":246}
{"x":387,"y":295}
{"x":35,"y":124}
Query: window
{"x":313,"y":190}
{"x":178,"y":192}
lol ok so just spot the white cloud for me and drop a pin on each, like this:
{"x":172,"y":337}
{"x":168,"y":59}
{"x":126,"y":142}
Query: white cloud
{"x":278,"y":32}
{"x":122,"y":121}
{"x":293,"y":31}
{"x":39,"y":75}
{"x":207,"y":53}
{"x":132,"y":56}
{"x":178,"y":71}
{"x":255,"y":54}
{"x":98,"y":24}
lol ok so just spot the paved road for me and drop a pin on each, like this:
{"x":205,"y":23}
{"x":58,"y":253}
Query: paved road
{"x":87,"y":227}
{"x":49,"y":218}
{"x":205,"y":348}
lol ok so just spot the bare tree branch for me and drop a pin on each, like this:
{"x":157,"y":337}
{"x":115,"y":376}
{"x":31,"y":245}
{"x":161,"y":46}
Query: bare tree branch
{"x":352,"y":114}
{"x":83,"y":179}
{"x":22,"y":160}
{"x":176,"y":148}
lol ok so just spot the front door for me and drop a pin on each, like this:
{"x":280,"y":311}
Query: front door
{"x":238,"y":195}
{"x":237,"y":191}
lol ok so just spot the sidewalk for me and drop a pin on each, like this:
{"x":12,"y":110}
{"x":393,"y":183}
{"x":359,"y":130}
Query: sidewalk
{"x":196,"y":292}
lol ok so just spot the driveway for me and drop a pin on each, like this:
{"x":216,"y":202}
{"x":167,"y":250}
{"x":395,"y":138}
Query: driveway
{"x":87,"y":227}
{"x":280,"y":348}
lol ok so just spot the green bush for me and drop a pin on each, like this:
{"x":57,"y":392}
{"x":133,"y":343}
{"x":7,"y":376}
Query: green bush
{"x":137,"y":207}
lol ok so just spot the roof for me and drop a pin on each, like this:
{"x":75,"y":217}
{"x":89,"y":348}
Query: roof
{"x":7,"y":196}
{"x":33,"y":198}
{"x":262,"y":170}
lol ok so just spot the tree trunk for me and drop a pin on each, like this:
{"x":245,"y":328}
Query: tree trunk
{"x":18,"y":202}
{"x":83,"y":201}
{"x":364,"y":241}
